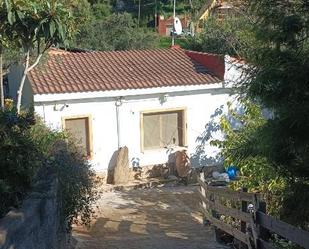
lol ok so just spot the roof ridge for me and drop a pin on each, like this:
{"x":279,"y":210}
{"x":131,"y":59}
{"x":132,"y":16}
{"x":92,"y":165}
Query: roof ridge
{"x":60,"y":51}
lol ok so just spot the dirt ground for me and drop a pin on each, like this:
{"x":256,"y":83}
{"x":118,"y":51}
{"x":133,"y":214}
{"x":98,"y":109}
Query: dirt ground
{"x":156,"y":218}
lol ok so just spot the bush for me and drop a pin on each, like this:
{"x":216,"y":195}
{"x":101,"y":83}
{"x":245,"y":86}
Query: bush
{"x":28,"y":147}
{"x":247,"y":148}
{"x":76,"y":178}
{"x":228,"y":36}
{"x":19,"y":159}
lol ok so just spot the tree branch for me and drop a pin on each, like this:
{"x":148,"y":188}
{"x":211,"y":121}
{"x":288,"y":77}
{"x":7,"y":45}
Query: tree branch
{"x":35,"y":63}
{"x":22,"y":82}
{"x":48,"y":45}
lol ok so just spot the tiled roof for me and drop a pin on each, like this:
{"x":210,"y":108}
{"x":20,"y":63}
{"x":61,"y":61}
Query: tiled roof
{"x":68,"y":72}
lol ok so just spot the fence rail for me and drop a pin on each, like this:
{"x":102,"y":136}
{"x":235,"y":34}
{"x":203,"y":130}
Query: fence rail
{"x":252,"y":227}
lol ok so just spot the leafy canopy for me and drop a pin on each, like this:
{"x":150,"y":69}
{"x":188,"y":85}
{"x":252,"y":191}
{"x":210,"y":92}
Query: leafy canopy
{"x":279,"y":78}
{"x":116,"y":32}
{"x":34,"y":21}
{"x":272,"y":154}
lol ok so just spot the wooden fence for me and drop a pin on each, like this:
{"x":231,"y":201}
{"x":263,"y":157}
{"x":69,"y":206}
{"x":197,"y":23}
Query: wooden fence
{"x":251,"y":226}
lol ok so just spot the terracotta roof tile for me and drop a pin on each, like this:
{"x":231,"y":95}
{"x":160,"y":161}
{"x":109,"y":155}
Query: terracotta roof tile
{"x":103,"y":71}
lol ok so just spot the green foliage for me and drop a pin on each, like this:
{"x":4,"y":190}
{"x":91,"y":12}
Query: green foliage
{"x":19,"y":158}
{"x":36,"y":20}
{"x":8,"y":51}
{"x":28,"y":147}
{"x":232,"y":36}
{"x":101,"y":10}
{"x":247,"y":147}
{"x":4,"y":32}
{"x":242,"y":147}
{"x":76,"y":178}
{"x":81,"y":12}
{"x":165,"y":7}
{"x":116,"y":32}
{"x":278,"y":76}
{"x":273,"y":154}
{"x":109,"y":20}
{"x":34,"y":26}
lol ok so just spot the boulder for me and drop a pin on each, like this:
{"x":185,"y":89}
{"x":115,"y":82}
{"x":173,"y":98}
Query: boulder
{"x":119,"y":171}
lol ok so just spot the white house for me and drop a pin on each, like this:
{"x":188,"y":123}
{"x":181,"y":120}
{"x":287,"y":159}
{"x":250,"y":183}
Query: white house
{"x":152,"y":101}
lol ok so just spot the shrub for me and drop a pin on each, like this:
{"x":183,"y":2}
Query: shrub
{"x":28,"y":147}
{"x":76,"y":178}
{"x":247,"y":148}
{"x":19,"y":159}
{"x":239,"y":147}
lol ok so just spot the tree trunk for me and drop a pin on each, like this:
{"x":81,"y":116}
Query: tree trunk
{"x":1,"y":81}
{"x":139,"y":12}
{"x":22,"y":82}
{"x":156,"y":15}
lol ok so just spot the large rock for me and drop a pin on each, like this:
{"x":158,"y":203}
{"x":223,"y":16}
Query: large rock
{"x":37,"y":223}
{"x":182,"y":163}
{"x":119,"y":171}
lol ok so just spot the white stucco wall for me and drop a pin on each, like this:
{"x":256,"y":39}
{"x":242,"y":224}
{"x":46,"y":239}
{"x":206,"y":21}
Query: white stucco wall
{"x":203,"y":103}
{"x":234,"y":71}
{"x":200,"y":104}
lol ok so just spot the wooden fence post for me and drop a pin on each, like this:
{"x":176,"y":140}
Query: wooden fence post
{"x":244,"y":206}
{"x":262,"y":233}
{"x":243,"y":224}
{"x":214,"y":213}
{"x":256,"y":225}
{"x":203,"y":192}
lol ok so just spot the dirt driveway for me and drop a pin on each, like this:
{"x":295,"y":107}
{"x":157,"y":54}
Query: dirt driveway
{"x":157,"y":218}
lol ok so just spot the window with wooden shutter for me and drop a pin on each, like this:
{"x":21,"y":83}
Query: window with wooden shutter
{"x":79,"y":129}
{"x":163,"y":129}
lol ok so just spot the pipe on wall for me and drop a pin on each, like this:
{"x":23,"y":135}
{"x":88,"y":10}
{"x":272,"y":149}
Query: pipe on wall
{"x":118,"y":103}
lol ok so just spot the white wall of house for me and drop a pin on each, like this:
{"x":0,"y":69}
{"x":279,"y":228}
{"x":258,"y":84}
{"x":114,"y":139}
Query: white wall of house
{"x":200,"y":103}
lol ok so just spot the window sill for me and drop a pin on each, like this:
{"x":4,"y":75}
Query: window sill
{"x":172,"y":148}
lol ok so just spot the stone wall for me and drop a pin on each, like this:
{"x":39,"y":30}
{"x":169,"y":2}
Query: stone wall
{"x":36,"y":225}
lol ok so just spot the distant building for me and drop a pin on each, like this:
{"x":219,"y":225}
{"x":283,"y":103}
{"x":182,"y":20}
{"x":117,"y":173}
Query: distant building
{"x":214,"y":8}
{"x":165,"y":26}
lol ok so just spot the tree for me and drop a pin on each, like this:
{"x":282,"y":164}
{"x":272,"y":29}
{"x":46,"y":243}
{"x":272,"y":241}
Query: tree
{"x":219,"y":37}
{"x":2,"y":39}
{"x":101,"y":10}
{"x":37,"y":25}
{"x":248,"y":148}
{"x":3,"y":42}
{"x":1,"y":81}
{"x":275,"y":46}
{"x":116,"y":32}
{"x":243,"y":146}
{"x":278,"y":77}
{"x":273,"y":38}
{"x":81,"y":12}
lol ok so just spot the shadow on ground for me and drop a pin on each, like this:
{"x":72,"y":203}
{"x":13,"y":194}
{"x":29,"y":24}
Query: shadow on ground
{"x":165,"y":218}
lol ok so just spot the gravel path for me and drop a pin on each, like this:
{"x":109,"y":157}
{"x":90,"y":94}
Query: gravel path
{"x":157,"y":218}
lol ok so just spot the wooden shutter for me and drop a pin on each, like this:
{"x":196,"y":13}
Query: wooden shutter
{"x":163,"y":129}
{"x":79,"y":130}
{"x":151,"y":131}
{"x":170,"y":129}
